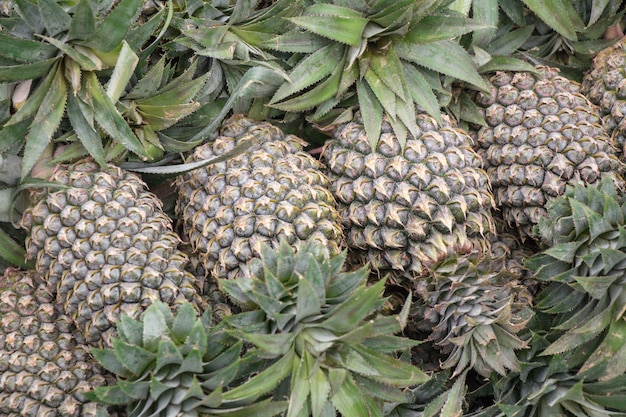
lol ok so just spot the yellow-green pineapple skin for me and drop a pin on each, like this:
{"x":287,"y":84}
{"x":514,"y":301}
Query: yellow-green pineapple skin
{"x":105,"y":246}
{"x":541,"y":136}
{"x":405,"y":209}
{"x":272,"y":190}
{"x":45,"y":367}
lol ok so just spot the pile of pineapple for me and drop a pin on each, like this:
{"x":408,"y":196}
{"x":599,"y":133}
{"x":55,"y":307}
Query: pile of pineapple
{"x":320,"y":208}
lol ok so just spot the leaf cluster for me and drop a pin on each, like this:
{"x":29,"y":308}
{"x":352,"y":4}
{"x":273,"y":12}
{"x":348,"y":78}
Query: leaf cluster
{"x":331,"y":352}
{"x":176,"y":365}
{"x":384,"y":56}
{"x":550,"y":385}
{"x":476,"y":313}
{"x":584,"y":265}
{"x":563,"y":33}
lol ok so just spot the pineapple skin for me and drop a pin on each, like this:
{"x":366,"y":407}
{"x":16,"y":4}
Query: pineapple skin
{"x":45,"y":366}
{"x":469,"y":295}
{"x":605,"y":85}
{"x":408,"y":208}
{"x":541,"y":136}
{"x":272,"y":190}
{"x":105,"y":247}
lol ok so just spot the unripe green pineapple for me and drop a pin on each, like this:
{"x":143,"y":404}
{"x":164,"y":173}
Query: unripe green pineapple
{"x":605,"y":86}
{"x":105,"y":247}
{"x":541,"y":135}
{"x":407,"y":208}
{"x":272,"y":190}
{"x":45,"y":367}
{"x":473,"y":311}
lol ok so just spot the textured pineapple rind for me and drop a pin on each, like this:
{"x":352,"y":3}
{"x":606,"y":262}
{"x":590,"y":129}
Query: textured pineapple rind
{"x":105,"y":247}
{"x":45,"y":367}
{"x":605,"y":85}
{"x":541,"y":135}
{"x":271,"y":191}
{"x":472,"y":309}
{"x":407,"y":208}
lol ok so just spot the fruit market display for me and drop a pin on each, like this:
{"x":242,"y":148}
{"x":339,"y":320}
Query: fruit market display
{"x":358,"y":208}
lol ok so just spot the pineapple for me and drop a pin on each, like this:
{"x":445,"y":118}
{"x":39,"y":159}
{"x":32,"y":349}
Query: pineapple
{"x":330,"y":349}
{"x":272,"y":190}
{"x":409,"y":186}
{"x":604,"y":84}
{"x":473,"y":312}
{"x":105,"y":247}
{"x":541,"y":134}
{"x":407,"y":208}
{"x":45,"y":367}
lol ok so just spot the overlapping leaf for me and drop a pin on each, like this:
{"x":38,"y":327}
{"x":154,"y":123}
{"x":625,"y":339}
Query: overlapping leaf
{"x":584,"y":265}
{"x":378,"y":50}
{"x":316,"y":321}
{"x":174,"y":364}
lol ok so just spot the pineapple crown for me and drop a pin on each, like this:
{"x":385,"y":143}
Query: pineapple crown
{"x":79,"y":74}
{"x":227,"y":36}
{"x":234,"y":35}
{"x":567,"y":34}
{"x":476,"y":312}
{"x":179,"y":364}
{"x":287,"y":289}
{"x":316,"y":324}
{"x":389,"y":53}
{"x":61,"y":49}
{"x":583,"y":264}
{"x":553,"y":385}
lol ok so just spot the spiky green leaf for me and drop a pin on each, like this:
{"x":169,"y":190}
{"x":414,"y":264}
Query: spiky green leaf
{"x":110,"y":32}
{"x":310,"y":70}
{"x":83,"y":21}
{"x":110,"y":119}
{"x":122,"y":72}
{"x":559,"y":15}
{"x":130,"y":330}
{"x":346,"y":316}
{"x":444,"y":27}
{"x":311,"y":98}
{"x":274,"y":345}
{"x":445,"y":57}
{"x":300,"y":387}
{"x":10,"y":250}
{"x":112,"y":395}
{"x":13,"y":73}
{"x":57,"y":20}
{"x":85,"y":129}
{"x":24,"y":50}
{"x":134,"y":358}
{"x":45,"y":123}
{"x":337,"y":23}
{"x":263,"y":382}
{"x":349,"y":401}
